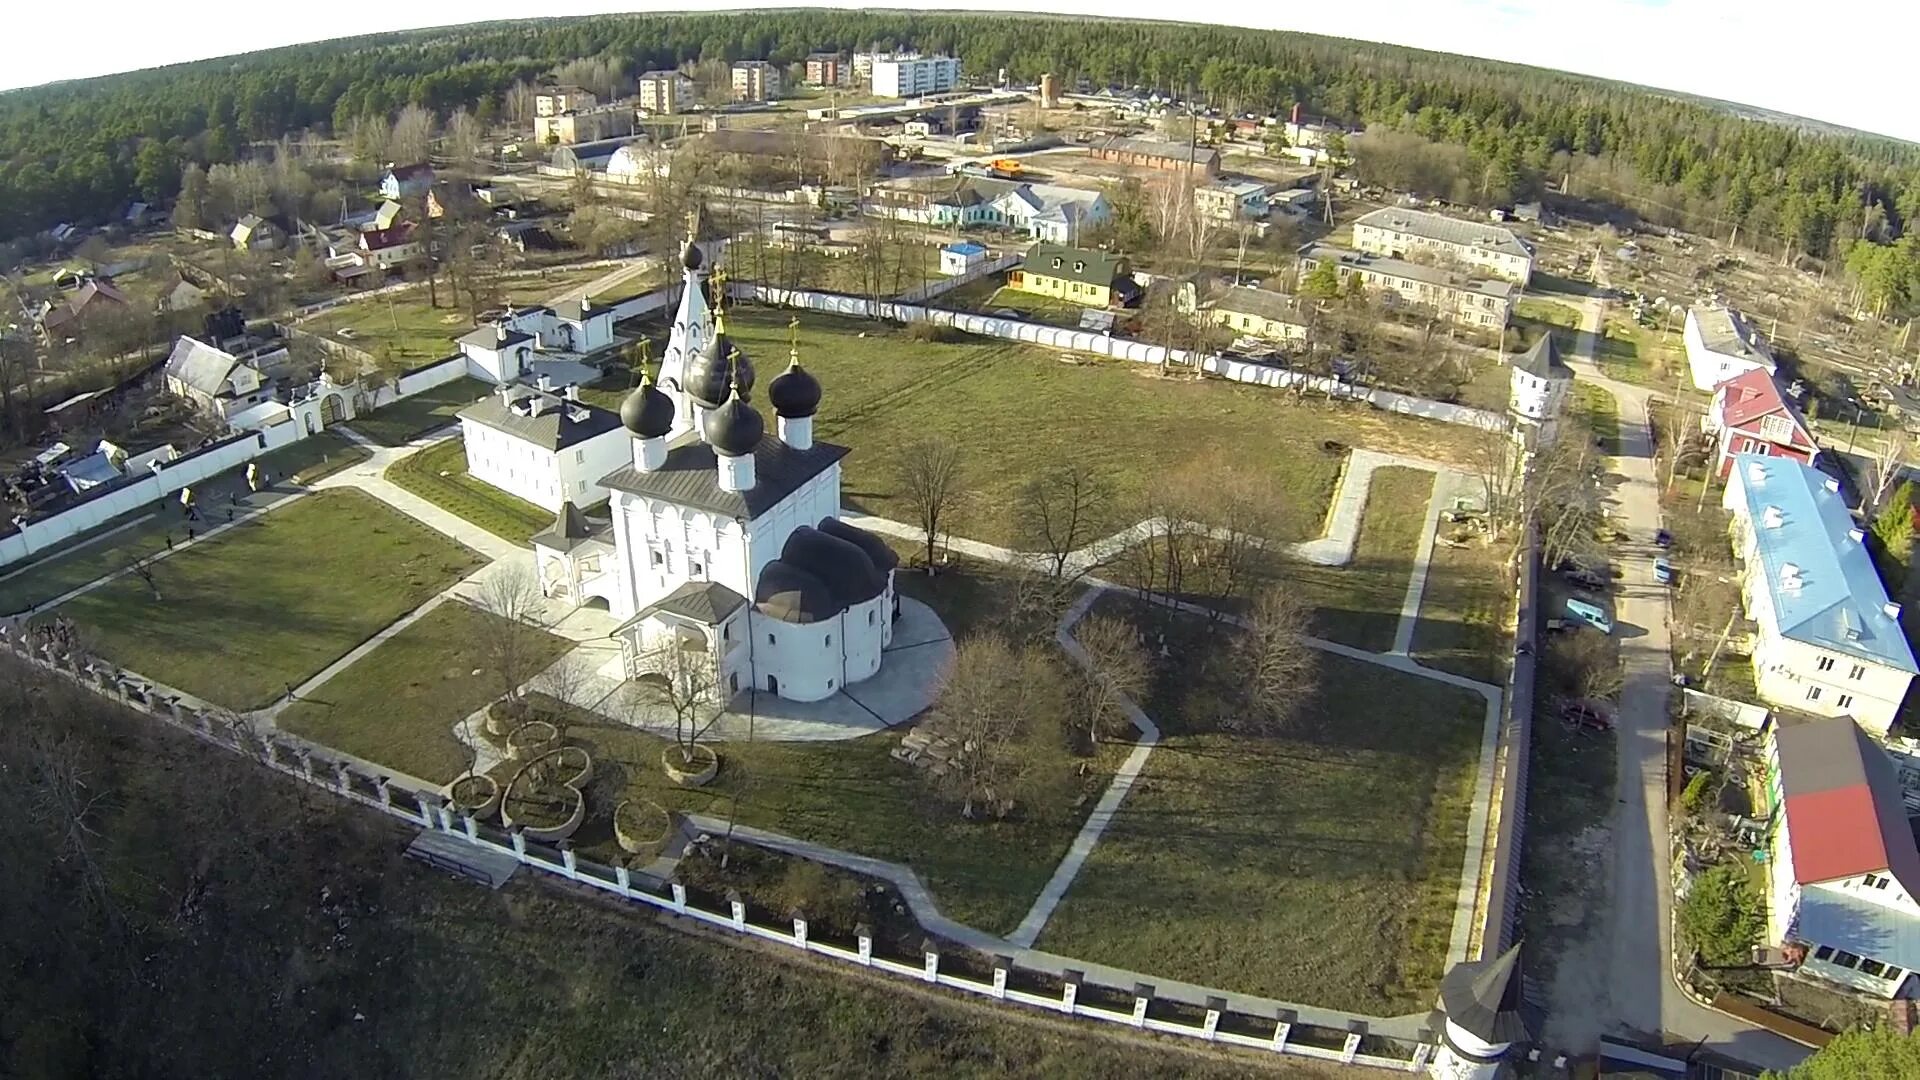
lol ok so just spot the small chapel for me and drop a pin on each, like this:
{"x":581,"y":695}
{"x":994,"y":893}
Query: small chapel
{"x":725,"y":538}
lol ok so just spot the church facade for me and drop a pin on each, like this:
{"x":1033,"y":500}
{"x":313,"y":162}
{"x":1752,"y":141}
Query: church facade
{"x":724,"y":540}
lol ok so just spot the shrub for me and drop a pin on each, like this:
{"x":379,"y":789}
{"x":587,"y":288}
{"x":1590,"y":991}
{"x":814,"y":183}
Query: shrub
{"x":934,"y":333}
{"x":1722,"y":918}
{"x":1696,"y":791}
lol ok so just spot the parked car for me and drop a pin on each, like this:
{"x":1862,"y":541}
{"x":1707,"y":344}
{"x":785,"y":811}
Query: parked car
{"x":1587,"y":715}
{"x":1591,"y":614}
{"x":1586,"y":577}
{"x":1663,"y":571}
{"x":1663,"y":538}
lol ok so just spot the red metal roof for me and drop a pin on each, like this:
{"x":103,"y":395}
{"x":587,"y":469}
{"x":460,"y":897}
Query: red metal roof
{"x":380,"y":239}
{"x":1751,"y":395}
{"x":1845,"y":816}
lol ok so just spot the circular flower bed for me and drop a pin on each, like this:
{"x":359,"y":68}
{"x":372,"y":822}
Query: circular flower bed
{"x":477,"y":794}
{"x":694,"y":771}
{"x":641,"y":827}
{"x":546,"y":797}
{"x":533,"y":739}
{"x":501,"y":719}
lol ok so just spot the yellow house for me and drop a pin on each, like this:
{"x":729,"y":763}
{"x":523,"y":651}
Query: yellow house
{"x":1259,"y":313}
{"x":1095,"y":279}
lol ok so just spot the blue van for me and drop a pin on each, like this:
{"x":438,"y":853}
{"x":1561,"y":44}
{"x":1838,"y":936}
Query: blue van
{"x":1591,"y":614}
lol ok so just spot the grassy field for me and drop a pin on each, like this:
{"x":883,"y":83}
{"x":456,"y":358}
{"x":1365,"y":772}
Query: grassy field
{"x":272,"y":601}
{"x":906,"y":267}
{"x":1319,"y":867}
{"x":398,"y":704}
{"x":1466,"y":613}
{"x":1042,"y":309}
{"x":438,"y":474}
{"x":41,"y":581}
{"x":399,"y":330}
{"x":1634,"y":353}
{"x":1359,"y":604}
{"x":313,"y":458}
{"x":1534,"y":309}
{"x":411,"y":417}
{"x":291,"y":892}
{"x":1013,"y":408}
{"x":1599,"y":412}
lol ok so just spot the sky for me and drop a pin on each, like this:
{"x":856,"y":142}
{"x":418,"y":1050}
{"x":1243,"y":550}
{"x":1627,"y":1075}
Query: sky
{"x":1814,"y":60}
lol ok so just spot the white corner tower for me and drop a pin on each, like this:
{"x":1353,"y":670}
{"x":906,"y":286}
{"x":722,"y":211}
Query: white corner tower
{"x":1482,"y":1016}
{"x":1537,"y":390}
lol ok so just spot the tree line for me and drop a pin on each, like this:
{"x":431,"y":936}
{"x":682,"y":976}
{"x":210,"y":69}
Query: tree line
{"x":79,"y":151}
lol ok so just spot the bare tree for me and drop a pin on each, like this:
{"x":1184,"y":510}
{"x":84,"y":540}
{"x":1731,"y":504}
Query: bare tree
{"x":512,"y":595}
{"x":518,"y":102}
{"x":1117,"y":670}
{"x":995,"y":705}
{"x":1058,"y":511}
{"x":62,"y":802}
{"x":678,"y":674}
{"x":412,"y":135}
{"x":463,"y":136}
{"x":141,"y":566}
{"x":931,"y":480}
{"x":1888,"y":462}
{"x":1271,"y":665}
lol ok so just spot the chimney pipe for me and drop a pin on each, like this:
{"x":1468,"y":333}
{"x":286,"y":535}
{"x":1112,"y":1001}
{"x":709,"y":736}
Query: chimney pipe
{"x":545,"y":383}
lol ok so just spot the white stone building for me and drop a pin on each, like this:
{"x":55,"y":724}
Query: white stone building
{"x":1399,"y":233}
{"x":1829,"y":640}
{"x":723,"y":540}
{"x":1537,"y":389}
{"x":512,"y":346}
{"x":1721,"y":346}
{"x":546,"y":446}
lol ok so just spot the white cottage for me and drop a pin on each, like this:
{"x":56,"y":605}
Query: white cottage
{"x":724,"y":539}
{"x":546,"y":446}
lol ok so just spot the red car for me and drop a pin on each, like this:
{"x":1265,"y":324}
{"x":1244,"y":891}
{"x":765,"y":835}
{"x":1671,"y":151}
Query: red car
{"x":1587,"y":715}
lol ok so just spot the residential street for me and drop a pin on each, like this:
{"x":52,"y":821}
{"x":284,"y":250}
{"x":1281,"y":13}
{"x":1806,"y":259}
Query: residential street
{"x":1642,"y":994}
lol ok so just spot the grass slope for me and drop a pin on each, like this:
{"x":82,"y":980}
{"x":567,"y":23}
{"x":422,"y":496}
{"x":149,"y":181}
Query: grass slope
{"x":410,"y":417}
{"x":274,"y":600}
{"x":439,"y":475}
{"x":1319,"y":868}
{"x":304,"y":927}
{"x":397,"y":705}
{"x":1359,"y":604}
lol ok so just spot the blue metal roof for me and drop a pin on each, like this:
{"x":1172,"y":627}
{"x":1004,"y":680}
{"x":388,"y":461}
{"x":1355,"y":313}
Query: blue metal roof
{"x":1858,"y":925}
{"x":965,"y":247}
{"x":1831,"y":598}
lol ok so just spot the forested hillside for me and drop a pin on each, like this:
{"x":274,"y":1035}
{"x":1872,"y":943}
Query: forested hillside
{"x":79,"y":151}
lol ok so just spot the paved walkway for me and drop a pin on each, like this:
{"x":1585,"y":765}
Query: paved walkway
{"x":1620,"y":976}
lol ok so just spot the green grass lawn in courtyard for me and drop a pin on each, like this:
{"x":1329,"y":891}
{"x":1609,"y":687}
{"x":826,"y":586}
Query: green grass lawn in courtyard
{"x":1599,"y":412}
{"x":1359,"y":604}
{"x":397,"y":705}
{"x":1319,"y":867}
{"x":313,"y":458}
{"x":1640,"y":354}
{"x":411,"y":417}
{"x":1534,"y":309}
{"x":271,"y":601}
{"x":399,"y":330}
{"x":38,"y":582}
{"x":1014,"y":409}
{"x":1034,"y":307}
{"x":439,"y":475}
{"x":1466,"y":613}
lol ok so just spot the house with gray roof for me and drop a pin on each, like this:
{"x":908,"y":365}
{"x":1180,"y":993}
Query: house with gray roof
{"x":1721,"y":345}
{"x":543,"y":444}
{"x":1403,"y":233}
{"x":1477,"y":301}
{"x":214,"y":380}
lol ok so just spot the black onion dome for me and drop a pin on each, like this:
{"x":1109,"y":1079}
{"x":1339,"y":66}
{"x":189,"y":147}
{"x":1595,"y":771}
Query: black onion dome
{"x":794,"y":393}
{"x":792,"y":595}
{"x":734,"y":429}
{"x":718,"y":368}
{"x":647,"y":412}
{"x":839,"y":564}
{"x":691,"y":257}
{"x":878,"y":552}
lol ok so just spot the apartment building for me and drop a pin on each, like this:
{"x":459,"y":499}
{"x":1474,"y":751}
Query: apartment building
{"x":1403,"y":233}
{"x":1480,"y":302}
{"x":663,"y":93}
{"x":913,"y":76}
{"x":755,"y":80}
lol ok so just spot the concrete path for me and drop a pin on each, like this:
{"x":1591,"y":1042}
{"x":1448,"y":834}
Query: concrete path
{"x":607,"y":281}
{"x":1621,"y":976}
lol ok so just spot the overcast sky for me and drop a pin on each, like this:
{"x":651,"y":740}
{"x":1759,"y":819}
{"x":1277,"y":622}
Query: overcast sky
{"x":1842,"y":61}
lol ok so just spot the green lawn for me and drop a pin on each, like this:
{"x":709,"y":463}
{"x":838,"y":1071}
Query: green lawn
{"x":1359,"y":604}
{"x":1043,"y":309}
{"x":1535,"y":309}
{"x":313,"y":458}
{"x":904,"y":268}
{"x":438,"y":474}
{"x":1320,"y":867}
{"x":1466,"y":613}
{"x":1600,"y":413}
{"x":1639,"y":354}
{"x":39,"y":582}
{"x":397,"y":705}
{"x":411,"y":417}
{"x":399,"y":330}
{"x":1013,"y":408}
{"x":272,"y":601}
{"x":404,"y":970}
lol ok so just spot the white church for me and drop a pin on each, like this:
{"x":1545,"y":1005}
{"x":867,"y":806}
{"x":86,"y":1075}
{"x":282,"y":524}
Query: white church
{"x":724,"y":538}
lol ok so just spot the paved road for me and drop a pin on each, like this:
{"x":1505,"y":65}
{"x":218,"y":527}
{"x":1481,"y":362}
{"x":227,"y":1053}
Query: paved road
{"x":1643,"y":996}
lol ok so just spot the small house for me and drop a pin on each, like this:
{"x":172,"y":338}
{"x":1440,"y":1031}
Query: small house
{"x":1750,"y":415}
{"x":1079,"y":276}
{"x":961,"y":258}
{"x":255,"y":233}
{"x":407,"y":181}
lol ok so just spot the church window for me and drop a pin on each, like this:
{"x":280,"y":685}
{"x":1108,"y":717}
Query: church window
{"x":696,"y":569}
{"x":829,"y":641}
{"x":829,"y":684}
{"x":769,"y":639}
{"x":656,"y":558}
{"x":726,"y":632}
{"x":869,"y":617}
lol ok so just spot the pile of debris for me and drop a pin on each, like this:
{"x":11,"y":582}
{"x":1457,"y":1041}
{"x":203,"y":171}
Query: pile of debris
{"x":925,"y":750}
